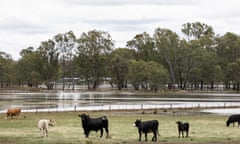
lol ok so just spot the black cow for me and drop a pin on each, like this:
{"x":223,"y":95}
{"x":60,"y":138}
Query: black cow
{"x":233,"y":119}
{"x":182,"y":127}
{"x":94,"y":124}
{"x":146,"y":127}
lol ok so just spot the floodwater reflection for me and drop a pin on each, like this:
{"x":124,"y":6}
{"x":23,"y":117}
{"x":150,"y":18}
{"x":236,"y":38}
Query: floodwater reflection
{"x":70,"y":101}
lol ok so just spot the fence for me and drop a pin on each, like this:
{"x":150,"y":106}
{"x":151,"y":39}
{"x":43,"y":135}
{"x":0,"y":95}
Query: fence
{"x":136,"y":107}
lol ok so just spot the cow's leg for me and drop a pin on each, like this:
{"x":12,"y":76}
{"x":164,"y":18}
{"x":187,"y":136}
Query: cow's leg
{"x":46,"y":131}
{"x":41,"y":132}
{"x":182,"y":133}
{"x":87,"y":133}
{"x":145,"y":136}
{"x":106,"y":130}
{"x":179,"y":133}
{"x":140,"y":135}
{"x":186,"y":133}
{"x":101,"y":132}
{"x":154,"y":138}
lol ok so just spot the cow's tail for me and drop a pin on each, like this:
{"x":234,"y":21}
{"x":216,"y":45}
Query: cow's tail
{"x":105,"y":121}
{"x":158,"y":132}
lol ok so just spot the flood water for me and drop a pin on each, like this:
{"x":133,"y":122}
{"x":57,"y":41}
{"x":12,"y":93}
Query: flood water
{"x":71,"y":101}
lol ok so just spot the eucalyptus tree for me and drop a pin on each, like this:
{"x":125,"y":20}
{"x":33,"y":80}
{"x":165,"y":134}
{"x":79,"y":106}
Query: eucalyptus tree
{"x":92,"y":49}
{"x":167,"y":44}
{"x":157,"y":75}
{"x":65,"y":44}
{"x":6,"y":62}
{"x":185,"y":64}
{"x":201,"y":40}
{"x":234,"y":71}
{"x":48,"y":65}
{"x":27,"y":68}
{"x":137,"y":73}
{"x":228,"y":51}
{"x":197,"y":30}
{"x":118,"y":69}
{"x":144,"y":46}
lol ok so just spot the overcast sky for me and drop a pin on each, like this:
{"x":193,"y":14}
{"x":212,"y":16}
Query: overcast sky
{"x":25,"y":23}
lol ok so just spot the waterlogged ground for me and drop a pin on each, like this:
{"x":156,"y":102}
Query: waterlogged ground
{"x":204,"y":128}
{"x":72,"y":101}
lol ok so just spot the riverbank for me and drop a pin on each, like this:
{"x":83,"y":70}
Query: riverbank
{"x":204,"y":128}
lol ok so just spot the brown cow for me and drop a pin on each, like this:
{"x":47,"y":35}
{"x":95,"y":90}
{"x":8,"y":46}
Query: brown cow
{"x":13,"y":112}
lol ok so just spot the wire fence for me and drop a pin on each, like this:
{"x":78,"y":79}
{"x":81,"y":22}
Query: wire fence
{"x":136,"y":107}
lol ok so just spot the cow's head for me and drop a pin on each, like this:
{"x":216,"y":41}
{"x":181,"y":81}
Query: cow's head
{"x":178,"y":122}
{"x":137,"y":122}
{"x":228,"y":123}
{"x":51,"y":122}
{"x":84,"y":116}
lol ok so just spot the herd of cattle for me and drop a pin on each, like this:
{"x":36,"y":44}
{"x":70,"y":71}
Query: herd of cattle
{"x":101,"y":123}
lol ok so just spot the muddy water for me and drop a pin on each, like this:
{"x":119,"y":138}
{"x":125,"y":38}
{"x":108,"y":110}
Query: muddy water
{"x":62,"y":101}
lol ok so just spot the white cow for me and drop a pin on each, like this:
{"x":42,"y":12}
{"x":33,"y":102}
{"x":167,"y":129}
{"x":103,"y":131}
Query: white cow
{"x":43,"y":126}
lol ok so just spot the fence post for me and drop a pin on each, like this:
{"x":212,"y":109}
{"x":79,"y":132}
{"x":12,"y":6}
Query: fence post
{"x":75,"y":108}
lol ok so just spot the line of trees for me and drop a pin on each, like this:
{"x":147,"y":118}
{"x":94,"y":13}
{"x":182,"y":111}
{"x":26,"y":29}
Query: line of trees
{"x":198,"y":58}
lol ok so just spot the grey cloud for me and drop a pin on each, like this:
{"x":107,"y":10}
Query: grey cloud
{"x":21,"y":26}
{"x":134,"y":25}
{"x":126,"y":22}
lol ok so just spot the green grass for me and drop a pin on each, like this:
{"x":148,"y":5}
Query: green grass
{"x":204,"y":128}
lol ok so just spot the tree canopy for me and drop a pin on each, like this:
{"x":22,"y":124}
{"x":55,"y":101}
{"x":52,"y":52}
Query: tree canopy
{"x":197,"y":59}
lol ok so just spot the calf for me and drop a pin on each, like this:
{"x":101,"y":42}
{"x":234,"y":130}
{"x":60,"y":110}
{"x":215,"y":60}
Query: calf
{"x":43,"y":126}
{"x":94,"y":124}
{"x":182,"y":127}
{"x":233,"y":119}
{"x":13,"y":112}
{"x":146,"y":127}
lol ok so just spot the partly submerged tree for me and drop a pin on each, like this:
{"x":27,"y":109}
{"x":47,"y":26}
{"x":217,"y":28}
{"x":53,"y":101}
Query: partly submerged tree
{"x":167,"y":44}
{"x":92,"y":49}
{"x":48,"y":64}
{"x":65,"y":45}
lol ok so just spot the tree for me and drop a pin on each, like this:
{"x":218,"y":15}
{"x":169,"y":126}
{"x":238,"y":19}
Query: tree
{"x":65,"y":44}
{"x":137,"y":73}
{"x":6,"y":70}
{"x":157,"y":75}
{"x":92,"y":50}
{"x":118,"y":69}
{"x":48,"y":65}
{"x":27,"y":68}
{"x":118,"y":66}
{"x":234,"y":71}
{"x":167,"y":44}
{"x":144,"y":45}
{"x":197,"y":30}
{"x":201,"y":56}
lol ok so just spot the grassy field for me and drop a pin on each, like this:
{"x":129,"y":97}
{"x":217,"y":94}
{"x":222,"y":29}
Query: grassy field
{"x":204,"y":128}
